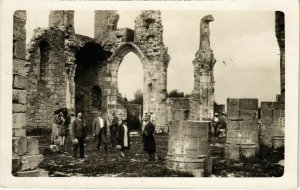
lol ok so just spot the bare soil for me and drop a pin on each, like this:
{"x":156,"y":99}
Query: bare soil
{"x":136,"y":164}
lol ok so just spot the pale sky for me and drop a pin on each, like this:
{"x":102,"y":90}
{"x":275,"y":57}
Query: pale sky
{"x":244,"y":40}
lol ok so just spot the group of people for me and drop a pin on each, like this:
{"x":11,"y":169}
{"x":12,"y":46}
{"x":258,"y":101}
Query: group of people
{"x":218,"y":124}
{"x":63,"y":121}
{"x":102,"y":128}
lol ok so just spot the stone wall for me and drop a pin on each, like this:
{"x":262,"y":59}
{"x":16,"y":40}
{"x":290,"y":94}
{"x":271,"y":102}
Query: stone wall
{"x":105,"y":23}
{"x":25,"y":150}
{"x":46,"y":77}
{"x":202,"y":97}
{"x":272,"y":124}
{"x":280,"y":35}
{"x":242,"y":128}
{"x":177,"y":109}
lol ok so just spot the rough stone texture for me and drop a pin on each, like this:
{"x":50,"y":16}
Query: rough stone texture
{"x":46,"y":89}
{"x":63,"y":20}
{"x":273,"y":124}
{"x":202,"y":98}
{"x":177,"y":109}
{"x":242,"y":125}
{"x":19,"y":35}
{"x":280,"y":35}
{"x":19,"y":145}
{"x":31,"y":173}
{"x":188,"y":146}
{"x":30,"y":162}
{"x":19,"y":132}
{"x":105,"y":22}
{"x":32,"y":146}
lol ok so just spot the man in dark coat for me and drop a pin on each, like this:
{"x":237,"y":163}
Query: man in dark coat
{"x":79,"y":133}
{"x":100,"y":132}
{"x":148,"y":138}
{"x":113,"y":129}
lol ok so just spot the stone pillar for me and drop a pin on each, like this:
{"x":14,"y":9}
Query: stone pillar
{"x":149,"y":38}
{"x":25,"y":150}
{"x":188,"y":148}
{"x":280,"y":35}
{"x":62,"y":19}
{"x":202,"y":97}
{"x":105,"y":22}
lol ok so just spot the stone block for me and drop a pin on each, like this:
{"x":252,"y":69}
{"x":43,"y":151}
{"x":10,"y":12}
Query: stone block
{"x":32,"y":145}
{"x":232,"y":104}
{"x":233,"y":114}
{"x":20,"y":49}
{"x":31,"y":162}
{"x":19,"y":96}
{"x":19,"y":132}
{"x":232,"y":152}
{"x":248,"y":114}
{"x":278,"y":105}
{"x":30,"y":173}
{"x":20,"y":82}
{"x":16,"y":163}
{"x":19,"y":120}
{"x":20,"y":14}
{"x":43,"y":173}
{"x":278,"y":112}
{"x":248,"y":104}
{"x":233,"y":125}
{"x":19,"y":108}
{"x":19,"y":145}
{"x":266,"y":113}
{"x":20,"y":67}
{"x":266,"y":105}
{"x":278,"y":122}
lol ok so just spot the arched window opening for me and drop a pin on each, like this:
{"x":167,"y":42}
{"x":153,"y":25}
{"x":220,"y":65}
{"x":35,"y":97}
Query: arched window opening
{"x":130,"y":76}
{"x":96,"y":97}
{"x":44,"y":51}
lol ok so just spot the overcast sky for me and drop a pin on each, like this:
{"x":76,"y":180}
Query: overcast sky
{"x":244,"y":40}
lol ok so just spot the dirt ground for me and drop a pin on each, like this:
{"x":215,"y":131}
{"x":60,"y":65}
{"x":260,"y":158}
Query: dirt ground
{"x":136,"y":164}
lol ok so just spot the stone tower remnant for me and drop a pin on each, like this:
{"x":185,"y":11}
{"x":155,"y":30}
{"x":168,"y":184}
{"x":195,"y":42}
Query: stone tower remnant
{"x":202,"y":97}
{"x":188,"y":148}
{"x":280,"y":35}
{"x":25,"y":149}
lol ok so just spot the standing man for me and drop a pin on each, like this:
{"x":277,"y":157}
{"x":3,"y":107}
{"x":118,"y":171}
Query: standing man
{"x":100,"y":132}
{"x":148,"y":138}
{"x":79,"y":133}
{"x":113,"y":129}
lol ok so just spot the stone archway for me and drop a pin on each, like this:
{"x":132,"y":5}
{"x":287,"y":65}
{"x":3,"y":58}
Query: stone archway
{"x":154,"y":82}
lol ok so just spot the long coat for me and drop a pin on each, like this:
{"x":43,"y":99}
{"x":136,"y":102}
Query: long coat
{"x":122,"y":136}
{"x":97,"y":130}
{"x":78,"y":128}
{"x":148,"y":138}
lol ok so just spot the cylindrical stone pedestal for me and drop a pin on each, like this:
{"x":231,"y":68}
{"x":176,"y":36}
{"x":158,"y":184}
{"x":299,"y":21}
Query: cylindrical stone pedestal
{"x":248,"y":149}
{"x":188,"y":147}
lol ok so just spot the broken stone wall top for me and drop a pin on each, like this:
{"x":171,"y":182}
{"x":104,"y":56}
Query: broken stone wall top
{"x":63,"y":20}
{"x":106,"y":21}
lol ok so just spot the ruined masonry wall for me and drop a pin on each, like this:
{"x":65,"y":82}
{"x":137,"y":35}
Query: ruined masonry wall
{"x":202,"y":97}
{"x":176,"y":108}
{"x":46,"y":92}
{"x":25,"y":150}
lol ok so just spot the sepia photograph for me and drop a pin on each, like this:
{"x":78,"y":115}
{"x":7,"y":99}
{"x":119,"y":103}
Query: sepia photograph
{"x":149,"y":92}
